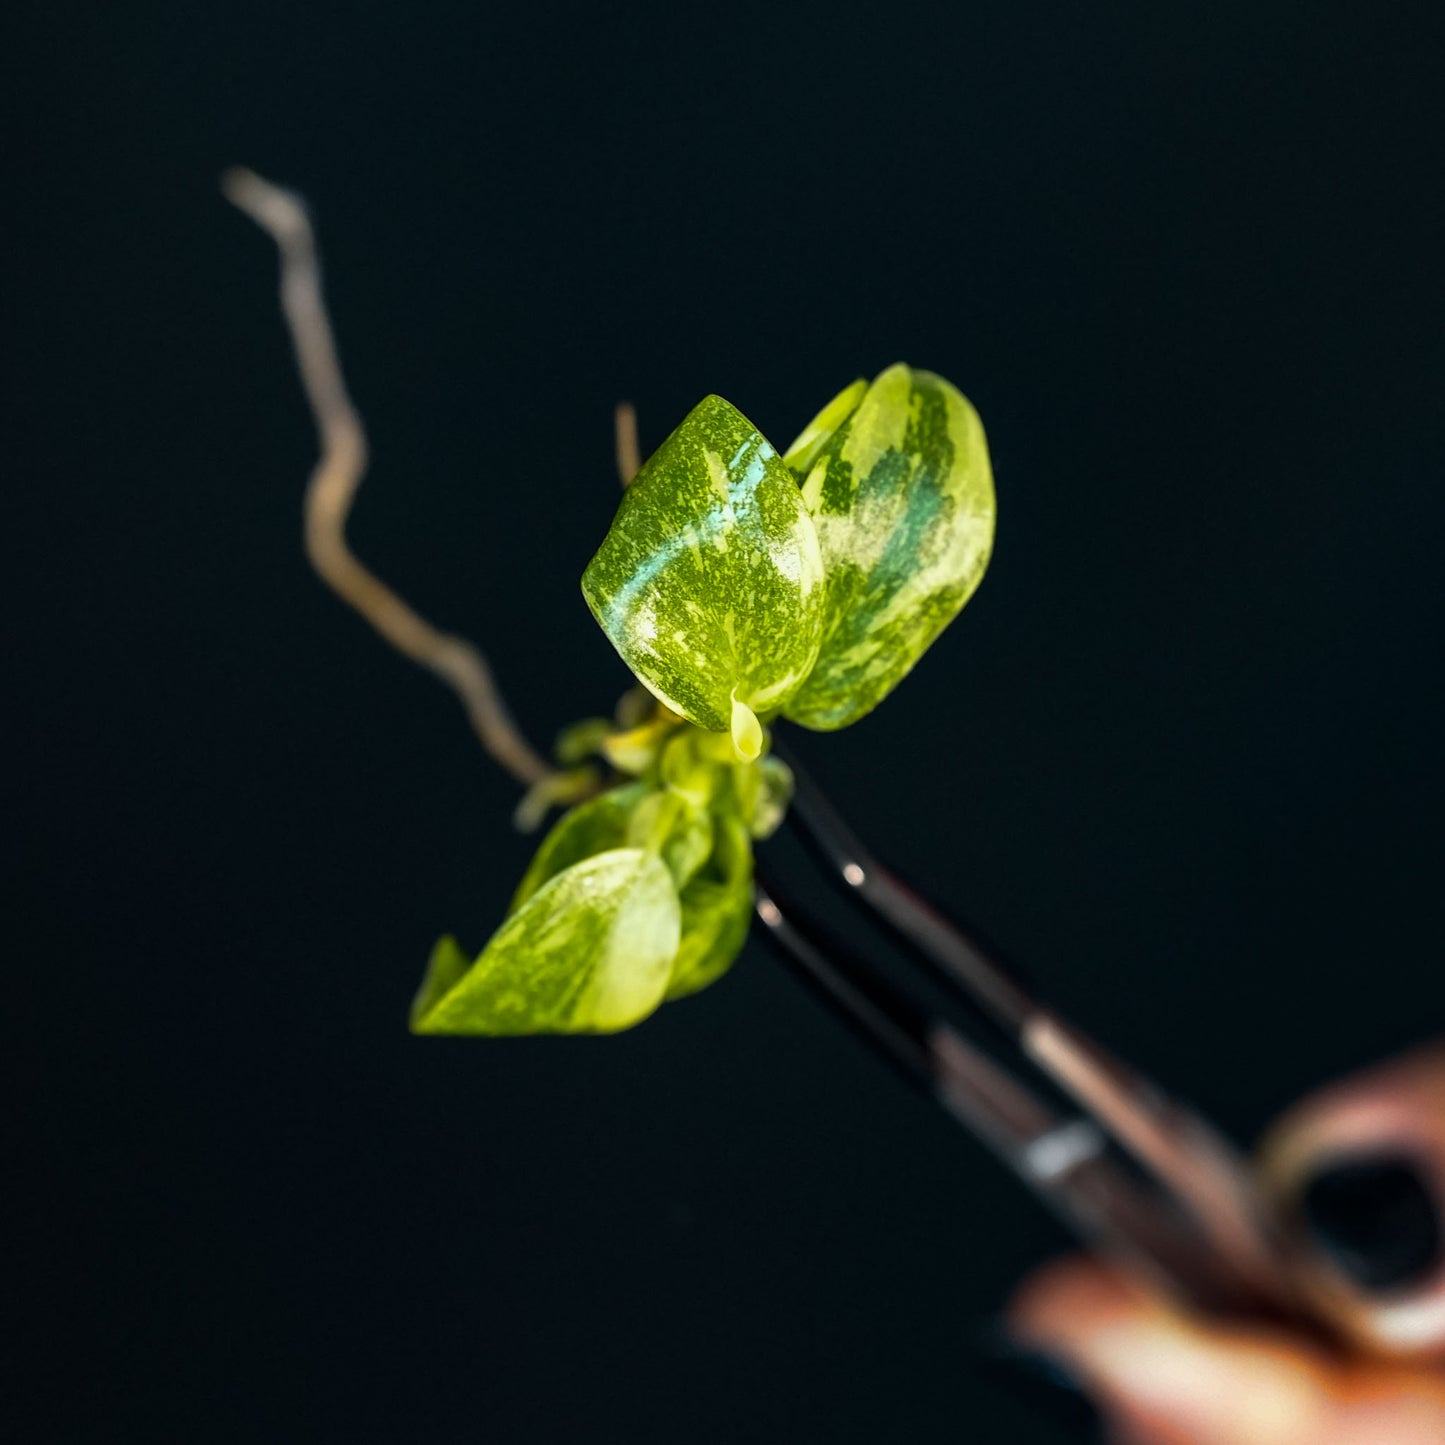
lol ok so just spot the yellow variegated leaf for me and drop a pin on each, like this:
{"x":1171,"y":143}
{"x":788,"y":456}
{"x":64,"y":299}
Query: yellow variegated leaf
{"x":590,"y":952}
{"x":901,"y":493}
{"x":709,"y":582}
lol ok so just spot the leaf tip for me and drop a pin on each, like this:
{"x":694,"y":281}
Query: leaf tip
{"x":444,"y":968}
{"x":747,"y":731}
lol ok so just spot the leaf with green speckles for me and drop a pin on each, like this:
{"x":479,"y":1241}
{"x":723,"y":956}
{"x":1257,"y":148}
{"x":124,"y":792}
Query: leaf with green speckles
{"x":819,"y":432}
{"x":590,"y":952}
{"x":710,"y":582}
{"x":590,"y":828}
{"x":717,"y":908}
{"x":901,"y":495}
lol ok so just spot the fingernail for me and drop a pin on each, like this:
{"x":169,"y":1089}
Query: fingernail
{"x":1038,"y":1384}
{"x":1375,"y":1220}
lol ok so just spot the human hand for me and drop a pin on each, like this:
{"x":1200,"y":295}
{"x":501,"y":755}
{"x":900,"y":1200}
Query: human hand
{"x":1357,"y":1172}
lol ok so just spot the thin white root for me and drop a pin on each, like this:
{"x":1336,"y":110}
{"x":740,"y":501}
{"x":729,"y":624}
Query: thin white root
{"x":338,"y":473}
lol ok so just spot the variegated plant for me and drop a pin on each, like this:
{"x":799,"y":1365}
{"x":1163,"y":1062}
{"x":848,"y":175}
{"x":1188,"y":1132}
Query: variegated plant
{"x":740,"y":587}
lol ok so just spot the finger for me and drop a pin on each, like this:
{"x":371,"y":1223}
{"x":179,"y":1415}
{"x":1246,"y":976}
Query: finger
{"x":1357,"y":1174}
{"x":1166,"y":1377}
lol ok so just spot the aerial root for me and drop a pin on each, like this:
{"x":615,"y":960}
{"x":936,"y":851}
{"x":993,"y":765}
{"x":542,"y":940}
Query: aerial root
{"x":337,"y":475}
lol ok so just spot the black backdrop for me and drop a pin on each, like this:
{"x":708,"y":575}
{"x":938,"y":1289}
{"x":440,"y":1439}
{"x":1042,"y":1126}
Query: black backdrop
{"x":1181,"y":753}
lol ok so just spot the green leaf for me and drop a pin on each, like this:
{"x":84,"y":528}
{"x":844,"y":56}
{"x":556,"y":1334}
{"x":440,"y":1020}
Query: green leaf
{"x":590,"y":828}
{"x":764,"y":790}
{"x":677,"y":828}
{"x":446,"y":965}
{"x":717,"y":908}
{"x":664,"y":821}
{"x":901,"y":494}
{"x":815,"y":436}
{"x":710,"y":582}
{"x":590,"y":952}
{"x":694,"y":763}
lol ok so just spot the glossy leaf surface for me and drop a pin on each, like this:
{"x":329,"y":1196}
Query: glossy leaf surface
{"x":901,"y":494}
{"x":710,"y":582}
{"x":591,"y":951}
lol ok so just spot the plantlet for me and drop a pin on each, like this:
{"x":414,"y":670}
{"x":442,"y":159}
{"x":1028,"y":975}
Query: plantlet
{"x":741,"y":587}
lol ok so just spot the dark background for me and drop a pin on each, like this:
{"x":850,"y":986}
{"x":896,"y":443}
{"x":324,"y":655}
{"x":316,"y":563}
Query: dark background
{"x":1181,"y":753}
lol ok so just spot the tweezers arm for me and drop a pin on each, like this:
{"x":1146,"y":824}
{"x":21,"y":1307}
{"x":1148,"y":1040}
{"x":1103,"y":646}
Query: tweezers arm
{"x":1190,"y":1158}
{"x":1066,"y":1163}
{"x":1195,"y":1165}
{"x":941,"y":944}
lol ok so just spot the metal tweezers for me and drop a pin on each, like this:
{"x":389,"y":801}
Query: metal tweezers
{"x":1133,"y":1172}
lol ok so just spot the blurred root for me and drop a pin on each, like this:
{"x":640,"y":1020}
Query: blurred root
{"x":624,"y":431}
{"x":338,"y":473}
